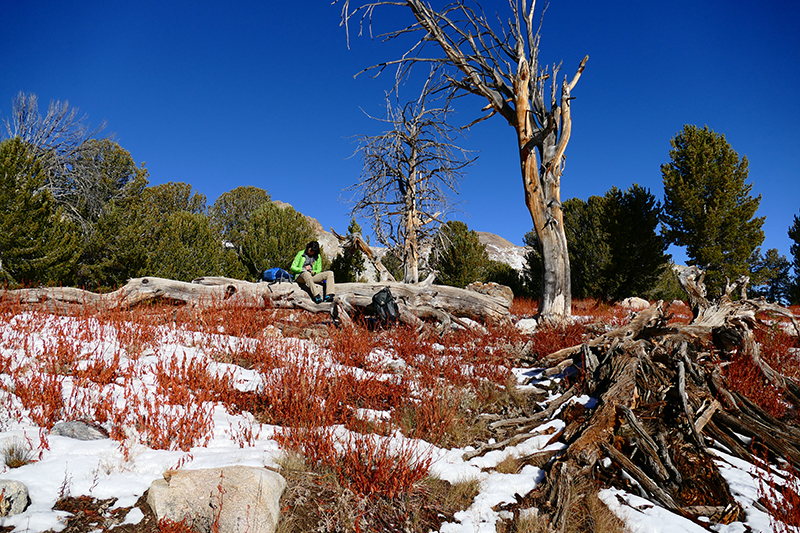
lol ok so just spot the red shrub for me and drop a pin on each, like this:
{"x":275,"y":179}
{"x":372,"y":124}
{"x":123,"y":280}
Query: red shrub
{"x":775,"y":349}
{"x":746,"y":378}
{"x":549,"y":339}
{"x":781,"y":497}
{"x":524,"y":307}
{"x":41,"y":395}
{"x":366,"y":464}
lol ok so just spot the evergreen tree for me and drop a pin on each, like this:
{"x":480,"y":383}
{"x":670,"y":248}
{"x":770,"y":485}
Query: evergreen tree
{"x":637,"y":253}
{"x":769,"y":276}
{"x":588,"y":248}
{"x":458,"y":255}
{"x":38,"y":243}
{"x":532,"y":269}
{"x":505,"y":274}
{"x":391,"y":260}
{"x":114,"y":250}
{"x":794,"y":249}
{"x":232,"y":210}
{"x":273,"y":237}
{"x":185,"y":246}
{"x":707,"y":205}
{"x":117,"y":247}
{"x":589,"y":252}
{"x":107,"y":173}
{"x":348,"y":266}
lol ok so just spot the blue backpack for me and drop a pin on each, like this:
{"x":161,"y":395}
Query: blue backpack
{"x":276,"y":274}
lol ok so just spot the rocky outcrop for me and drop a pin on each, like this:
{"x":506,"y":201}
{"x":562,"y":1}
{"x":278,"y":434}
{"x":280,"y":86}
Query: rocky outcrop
{"x":234,"y":499}
{"x":13,"y":497}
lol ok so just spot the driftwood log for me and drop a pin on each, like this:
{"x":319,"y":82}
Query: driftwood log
{"x":662,"y":403}
{"x":417,"y":301}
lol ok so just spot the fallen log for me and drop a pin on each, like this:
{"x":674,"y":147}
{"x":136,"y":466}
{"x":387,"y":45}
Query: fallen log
{"x":417,"y":301}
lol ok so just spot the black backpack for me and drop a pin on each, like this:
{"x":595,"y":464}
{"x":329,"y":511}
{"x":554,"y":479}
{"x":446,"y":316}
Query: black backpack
{"x":385,"y":306}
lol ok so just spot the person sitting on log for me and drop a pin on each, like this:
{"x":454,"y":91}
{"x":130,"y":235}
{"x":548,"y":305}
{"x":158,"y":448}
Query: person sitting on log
{"x":307,"y":270}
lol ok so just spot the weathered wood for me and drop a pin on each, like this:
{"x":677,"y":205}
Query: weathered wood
{"x":416,"y":301}
{"x":659,"y":494}
{"x":659,"y":387}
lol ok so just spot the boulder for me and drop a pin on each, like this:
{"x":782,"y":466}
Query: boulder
{"x":78,"y":430}
{"x":527,"y":325}
{"x":493,"y":289}
{"x":234,"y":499}
{"x":13,"y":497}
{"x":634,"y":303}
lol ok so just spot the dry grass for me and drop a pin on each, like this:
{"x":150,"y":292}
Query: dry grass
{"x":586,"y":514}
{"x":17,"y":452}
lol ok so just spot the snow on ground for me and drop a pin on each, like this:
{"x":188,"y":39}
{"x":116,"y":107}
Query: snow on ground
{"x":106,"y":469}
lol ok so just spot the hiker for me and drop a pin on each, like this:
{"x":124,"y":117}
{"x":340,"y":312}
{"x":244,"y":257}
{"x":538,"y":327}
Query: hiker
{"x":307,"y":270}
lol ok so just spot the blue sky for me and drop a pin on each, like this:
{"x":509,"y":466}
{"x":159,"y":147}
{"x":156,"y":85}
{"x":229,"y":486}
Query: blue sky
{"x":221,"y":95}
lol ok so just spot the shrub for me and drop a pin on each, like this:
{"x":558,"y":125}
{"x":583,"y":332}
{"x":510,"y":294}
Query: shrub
{"x":273,"y":237}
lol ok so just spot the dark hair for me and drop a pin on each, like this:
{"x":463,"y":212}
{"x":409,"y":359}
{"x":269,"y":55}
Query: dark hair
{"x":313,"y":247}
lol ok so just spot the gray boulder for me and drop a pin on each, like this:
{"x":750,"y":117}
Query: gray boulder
{"x":238,"y":499}
{"x":78,"y":430}
{"x":13,"y":497}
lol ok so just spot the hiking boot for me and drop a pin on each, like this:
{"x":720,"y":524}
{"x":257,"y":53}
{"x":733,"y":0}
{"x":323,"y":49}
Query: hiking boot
{"x":329,"y":297}
{"x":317,"y":299}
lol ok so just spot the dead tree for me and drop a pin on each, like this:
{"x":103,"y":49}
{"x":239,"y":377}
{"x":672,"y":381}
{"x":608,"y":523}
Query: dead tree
{"x":417,"y":302}
{"x":355,"y":242}
{"x":409,"y":170}
{"x":502,"y":67}
{"x":662,"y":402}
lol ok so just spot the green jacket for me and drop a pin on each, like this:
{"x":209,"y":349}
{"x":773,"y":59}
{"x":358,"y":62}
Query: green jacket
{"x":297,"y":264}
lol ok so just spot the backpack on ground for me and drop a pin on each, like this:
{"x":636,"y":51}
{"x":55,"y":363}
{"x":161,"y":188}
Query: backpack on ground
{"x":276,"y":275}
{"x":385,"y":306}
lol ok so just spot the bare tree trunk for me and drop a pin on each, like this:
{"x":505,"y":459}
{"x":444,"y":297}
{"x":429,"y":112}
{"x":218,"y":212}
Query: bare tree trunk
{"x":543,"y":187}
{"x":411,"y":245}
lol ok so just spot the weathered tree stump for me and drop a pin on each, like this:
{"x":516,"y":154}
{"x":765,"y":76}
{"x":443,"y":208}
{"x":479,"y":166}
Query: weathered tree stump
{"x":662,"y":402}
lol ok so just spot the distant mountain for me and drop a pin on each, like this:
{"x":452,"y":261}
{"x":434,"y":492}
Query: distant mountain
{"x":500,"y":249}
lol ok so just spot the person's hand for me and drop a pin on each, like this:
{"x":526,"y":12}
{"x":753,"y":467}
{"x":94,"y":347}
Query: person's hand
{"x":307,"y":267}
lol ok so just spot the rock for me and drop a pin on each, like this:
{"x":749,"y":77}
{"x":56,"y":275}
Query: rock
{"x":493,"y":289}
{"x":78,"y":430}
{"x":635,"y":304}
{"x":13,"y":497}
{"x":527,"y":325}
{"x":247,"y":501}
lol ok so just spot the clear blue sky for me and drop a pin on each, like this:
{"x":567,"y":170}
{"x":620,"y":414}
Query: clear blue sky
{"x":221,"y":95}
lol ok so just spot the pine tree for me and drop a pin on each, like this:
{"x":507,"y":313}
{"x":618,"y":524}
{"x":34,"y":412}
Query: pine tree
{"x":232,"y":210}
{"x":769,"y":276}
{"x":589,"y":252}
{"x":794,"y":250}
{"x":637,"y":253}
{"x":458,"y":255}
{"x":38,"y":243}
{"x":185,"y":247}
{"x":707,"y":204}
